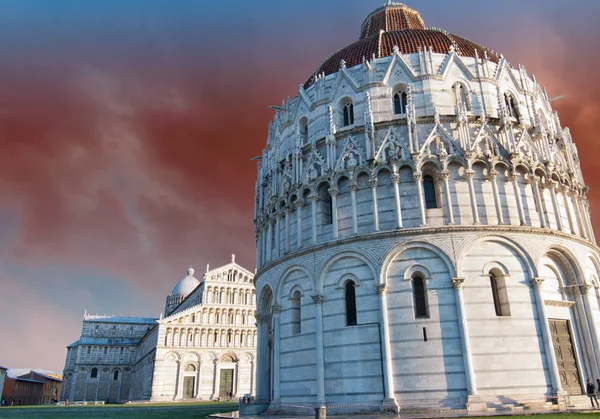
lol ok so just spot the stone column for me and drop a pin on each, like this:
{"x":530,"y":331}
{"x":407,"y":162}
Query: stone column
{"x":258,"y":250}
{"x":396,"y":182}
{"x":457,"y":283}
{"x":578,"y":215}
{"x":538,"y":201}
{"x":353,"y":188}
{"x":469,"y":175}
{"x":552,"y":187}
{"x":418,"y":178}
{"x":497,"y":202}
{"x":299,"y":206}
{"x":388,"y":370}
{"x":276,"y":352}
{"x":270,"y":241}
{"x":588,"y":307}
{"x":334,"y":212}
{"x":514,"y":178}
{"x":445,"y":175}
{"x":278,"y":217}
{"x":565,"y":194}
{"x":262,"y":359}
{"x":288,"y":213}
{"x":373,"y":184}
{"x":320,"y":350}
{"x":546,"y":335}
{"x":313,"y":201}
{"x":216,"y":379}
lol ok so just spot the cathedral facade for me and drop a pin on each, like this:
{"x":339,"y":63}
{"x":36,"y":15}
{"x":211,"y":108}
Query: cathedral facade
{"x":204,"y":347}
{"x":423,"y":234}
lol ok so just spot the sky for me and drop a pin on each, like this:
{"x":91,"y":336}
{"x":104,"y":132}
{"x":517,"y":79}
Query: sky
{"x":127,"y":129}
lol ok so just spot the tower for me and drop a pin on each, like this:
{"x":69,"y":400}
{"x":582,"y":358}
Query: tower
{"x":422,"y":232}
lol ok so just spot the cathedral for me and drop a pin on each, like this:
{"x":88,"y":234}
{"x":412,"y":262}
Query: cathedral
{"x":203,"y":348}
{"x":423,"y":234}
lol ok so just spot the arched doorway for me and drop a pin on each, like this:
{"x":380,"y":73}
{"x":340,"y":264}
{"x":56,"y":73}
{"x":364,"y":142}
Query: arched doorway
{"x":265,"y":346}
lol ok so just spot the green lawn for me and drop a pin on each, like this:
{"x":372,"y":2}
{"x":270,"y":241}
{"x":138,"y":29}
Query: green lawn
{"x":146,"y":411}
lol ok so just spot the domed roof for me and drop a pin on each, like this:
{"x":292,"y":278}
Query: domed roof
{"x":397,"y":25}
{"x":187,"y":284}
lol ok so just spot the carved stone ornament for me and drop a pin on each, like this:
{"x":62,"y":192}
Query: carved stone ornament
{"x":260,"y":318}
{"x":317,"y":299}
{"x":585,"y":288}
{"x":276,"y":309}
{"x":351,"y":161}
{"x":380,"y":288}
{"x":537,"y":282}
{"x":458,"y":283}
{"x":558,"y":303}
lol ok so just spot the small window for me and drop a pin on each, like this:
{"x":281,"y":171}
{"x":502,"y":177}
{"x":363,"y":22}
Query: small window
{"x":429,"y":191}
{"x":89,"y":349}
{"x":400,"y":103}
{"x":326,"y":204}
{"x":420,"y":294}
{"x":499,"y":294}
{"x":94,"y":373}
{"x":296,"y":314}
{"x":303,"y":130}
{"x":348,"y":114}
{"x":350,"y":291}
{"x":116,"y":375}
{"x":511,"y":106}
{"x":460,"y":96}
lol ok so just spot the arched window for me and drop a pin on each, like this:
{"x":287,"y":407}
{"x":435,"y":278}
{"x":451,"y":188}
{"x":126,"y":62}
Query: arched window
{"x":350,"y":292}
{"x":296,"y":314}
{"x":461,"y":97}
{"x":429,"y":191}
{"x":94,"y":373}
{"x":303,"y":130}
{"x":511,"y":106}
{"x":420,"y":294}
{"x":229,"y":337}
{"x":400,"y":103}
{"x":326,"y":204}
{"x":499,"y":294}
{"x":116,"y":375}
{"x":348,"y":114}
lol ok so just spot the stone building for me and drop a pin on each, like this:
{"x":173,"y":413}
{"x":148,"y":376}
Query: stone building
{"x":2,"y":378}
{"x":423,"y":233}
{"x":203,"y":348}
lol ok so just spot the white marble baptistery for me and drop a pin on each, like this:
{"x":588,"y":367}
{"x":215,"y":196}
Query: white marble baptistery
{"x":423,"y":233}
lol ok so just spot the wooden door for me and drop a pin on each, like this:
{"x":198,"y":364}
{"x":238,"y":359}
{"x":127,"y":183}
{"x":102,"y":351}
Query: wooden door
{"x":565,"y":356}
{"x":226,"y":382}
{"x":188,"y":387}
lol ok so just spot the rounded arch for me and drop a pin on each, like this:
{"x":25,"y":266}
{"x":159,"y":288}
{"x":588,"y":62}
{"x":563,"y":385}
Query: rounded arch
{"x":417,"y":269}
{"x":172,"y":356}
{"x":402,"y":247}
{"x":228,"y":357}
{"x":567,"y":261}
{"x":425,"y":166}
{"x":265,"y":301}
{"x":466,"y":247}
{"x":494,"y":265}
{"x":284,"y":277}
{"x":296,"y":288}
{"x":341,"y":284}
{"x":336,"y":257}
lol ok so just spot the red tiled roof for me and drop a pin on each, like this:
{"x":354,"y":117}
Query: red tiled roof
{"x":402,"y":27}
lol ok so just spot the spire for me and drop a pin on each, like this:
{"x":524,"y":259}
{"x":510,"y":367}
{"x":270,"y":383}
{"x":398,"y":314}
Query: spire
{"x":233,"y":258}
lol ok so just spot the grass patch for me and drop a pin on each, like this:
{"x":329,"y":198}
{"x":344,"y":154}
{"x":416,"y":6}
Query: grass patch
{"x":146,"y":411}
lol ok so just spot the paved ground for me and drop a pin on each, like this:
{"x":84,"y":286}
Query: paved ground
{"x":145,"y":411}
{"x":585,"y":414}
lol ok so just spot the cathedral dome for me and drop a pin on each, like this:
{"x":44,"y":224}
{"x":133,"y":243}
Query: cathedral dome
{"x":396,"y":25}
{"x":187,"y":284}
